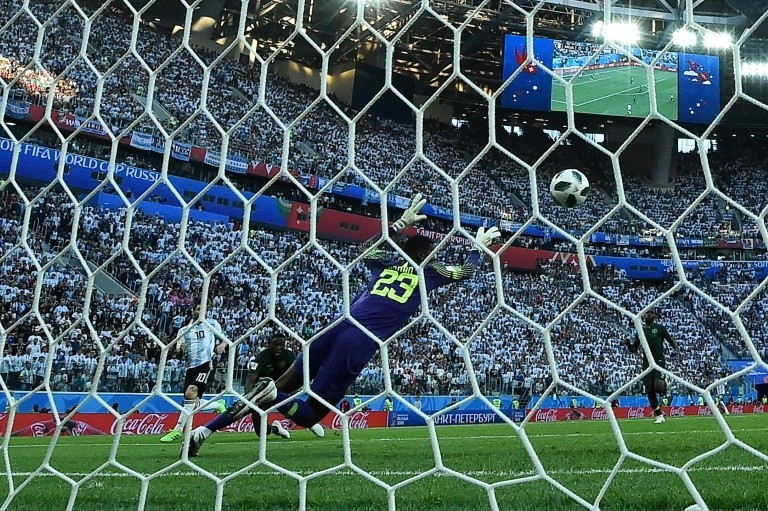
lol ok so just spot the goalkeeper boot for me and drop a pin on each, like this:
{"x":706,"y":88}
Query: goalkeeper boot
{"x":172,"y":436}
{"x":279,"y":430}
{"x":264,"y":391}
{"x":318,"y":430}
{"x":660,"y":419}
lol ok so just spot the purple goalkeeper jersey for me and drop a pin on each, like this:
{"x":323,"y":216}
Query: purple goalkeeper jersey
{"x":392,"y":295}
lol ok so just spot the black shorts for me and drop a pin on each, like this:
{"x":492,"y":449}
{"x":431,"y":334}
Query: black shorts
{"x":655,"y":374}
{"x":198,"y":376}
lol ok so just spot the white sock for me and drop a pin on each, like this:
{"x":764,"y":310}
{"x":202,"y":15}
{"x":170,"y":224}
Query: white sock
{"x":210,"y":404}
{"x":186,"y":412}
{"x":204,"y":431}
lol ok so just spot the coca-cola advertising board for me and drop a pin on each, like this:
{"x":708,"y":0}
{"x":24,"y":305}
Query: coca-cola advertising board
{"x":633,"y":412}
{"x":44,"y":424}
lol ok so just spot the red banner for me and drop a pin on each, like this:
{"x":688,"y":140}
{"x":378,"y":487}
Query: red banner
{"x":81,"y":424}
{"x":634,"y":412}
{"x":68,"y":122}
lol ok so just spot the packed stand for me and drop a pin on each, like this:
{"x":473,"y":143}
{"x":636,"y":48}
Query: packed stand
{"x":319,"y":140}
{"x":506,"y":352}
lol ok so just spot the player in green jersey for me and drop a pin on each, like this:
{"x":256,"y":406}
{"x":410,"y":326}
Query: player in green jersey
{"x":654,"y":381}
{"x":272,"y":362}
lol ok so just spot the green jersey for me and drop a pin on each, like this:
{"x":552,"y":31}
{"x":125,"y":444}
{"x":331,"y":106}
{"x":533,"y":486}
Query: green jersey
{"x":270,"y":366}
{"x":655,"y":335}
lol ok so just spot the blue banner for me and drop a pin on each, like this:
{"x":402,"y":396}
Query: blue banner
{"x":180,"y":150}
{"x":446,"y":419}
{"x":142,"y":141}
{"x":699,"y":87}
{"x":167,"y":213}
{"x":145,"y":142}
{"x":17,"y":109}
{"x":641,"y":268}
{"x":532,"y":88}
{"x":369,"y":196}
{"x":234,"y":163}
{"x":757,"y":376}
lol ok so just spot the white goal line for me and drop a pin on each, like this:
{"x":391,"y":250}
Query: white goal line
{"x":410,"y":473}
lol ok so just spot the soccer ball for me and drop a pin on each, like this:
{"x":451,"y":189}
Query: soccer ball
{"x":569,"y":188}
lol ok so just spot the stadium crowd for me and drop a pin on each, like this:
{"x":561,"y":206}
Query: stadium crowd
{"x":319,"y":140}
{"x":507,"y":354}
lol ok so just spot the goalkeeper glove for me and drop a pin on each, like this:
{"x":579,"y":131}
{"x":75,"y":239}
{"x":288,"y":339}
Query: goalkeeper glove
{"x":411,"y":214}
{"x":485,"y":238}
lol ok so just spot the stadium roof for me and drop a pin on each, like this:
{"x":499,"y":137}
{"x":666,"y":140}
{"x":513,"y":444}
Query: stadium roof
{"x":425,"y":47}
{"x":424,"y":39}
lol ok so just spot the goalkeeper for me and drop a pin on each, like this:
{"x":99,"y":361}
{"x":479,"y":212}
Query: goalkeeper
{"x":337,"y":356}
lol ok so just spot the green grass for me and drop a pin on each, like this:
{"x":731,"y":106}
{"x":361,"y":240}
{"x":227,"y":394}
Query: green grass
{"x":610,"y":91}
{"x":579,"y":455}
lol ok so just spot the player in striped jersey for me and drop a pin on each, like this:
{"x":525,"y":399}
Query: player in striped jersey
{"x":198,"y":341}
{"x":338,"y":356}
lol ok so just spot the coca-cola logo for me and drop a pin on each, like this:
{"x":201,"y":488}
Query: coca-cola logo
{"x":150,"y":424}
{"x":738,"y":410}
{"x":636,"y":412}
{"x":704,"y":410}
{"x":677,"y":411}
{"x":358,"y":420}
{"x":549,"y":415}
{"x":599,"y":414}
{"x":80,"y":429}
{"x":39,"y":429}
{"x":759,"y":409}
{"x":244,"y":425}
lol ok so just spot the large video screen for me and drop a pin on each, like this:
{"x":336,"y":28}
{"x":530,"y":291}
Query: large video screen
{"x":687,"y":85}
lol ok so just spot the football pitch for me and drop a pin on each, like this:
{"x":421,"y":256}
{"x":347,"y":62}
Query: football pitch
{"x":610,"y":91}
{"x":579,"y":455}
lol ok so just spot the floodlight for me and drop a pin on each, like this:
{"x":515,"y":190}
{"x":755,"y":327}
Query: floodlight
{"x":754,"y":69}
{"x":717,"y":39}
{"x":625,"y":33}
{"x":597,"y":28}
{"x":683,"y":37}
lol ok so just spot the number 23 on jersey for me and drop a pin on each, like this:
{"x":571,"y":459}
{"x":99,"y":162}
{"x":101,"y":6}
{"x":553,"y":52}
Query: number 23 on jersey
{"x":395,"y":285}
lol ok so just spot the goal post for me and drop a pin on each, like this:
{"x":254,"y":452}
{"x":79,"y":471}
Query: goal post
{"x":146,"y":169}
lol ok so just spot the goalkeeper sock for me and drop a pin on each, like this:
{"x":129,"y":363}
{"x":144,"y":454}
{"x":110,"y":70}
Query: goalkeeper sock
{"x":186,"y":413}
{"x":225,"y":419}
{"x":219,"y":422}
{"x":297,"y":410}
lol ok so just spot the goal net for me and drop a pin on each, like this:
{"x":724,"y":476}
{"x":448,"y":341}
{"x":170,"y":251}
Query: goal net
{"x":166,"y":162}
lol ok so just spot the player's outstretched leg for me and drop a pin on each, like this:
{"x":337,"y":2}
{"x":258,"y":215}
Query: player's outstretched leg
{"x":264,"y":391}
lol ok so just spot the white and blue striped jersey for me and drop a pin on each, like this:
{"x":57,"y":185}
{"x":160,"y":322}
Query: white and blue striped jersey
{"x":201,"y":341}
